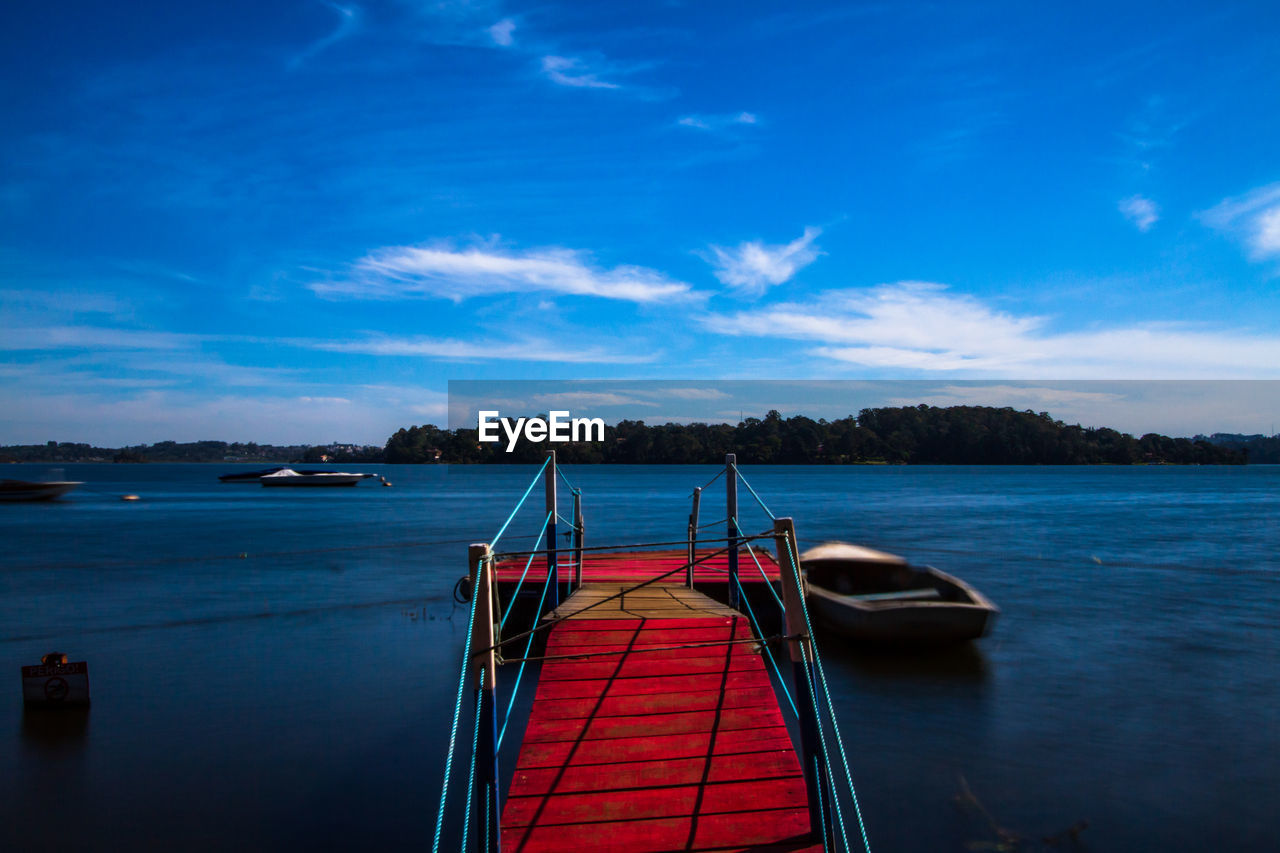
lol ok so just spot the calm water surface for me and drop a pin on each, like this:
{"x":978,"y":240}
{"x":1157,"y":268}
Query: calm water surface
{"x":273,"y":669}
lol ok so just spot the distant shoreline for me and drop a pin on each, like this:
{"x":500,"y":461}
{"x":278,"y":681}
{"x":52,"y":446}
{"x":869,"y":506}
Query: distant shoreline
{"x":907,"y":435}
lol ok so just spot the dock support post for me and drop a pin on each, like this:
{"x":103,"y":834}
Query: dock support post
{"x":731,"y":505}
{"x":553,"y":570}
{"x":812,"y":758}
{"x":484,"y":667}
{"x":693,"y":535}
{"x":577,"y":538}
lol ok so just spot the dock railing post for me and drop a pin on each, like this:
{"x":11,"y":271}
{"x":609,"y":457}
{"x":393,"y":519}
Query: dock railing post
{"x":552,"y":568}
{"x":485,"y":670}
{"x":801,"y":648}
{"x":731,"y":504}
{"x":577,"y":538}
{"x":693,"y":535}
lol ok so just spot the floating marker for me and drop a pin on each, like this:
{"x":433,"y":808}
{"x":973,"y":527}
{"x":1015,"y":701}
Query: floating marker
{"x":129,"y":498}
{"x":56,"y":683}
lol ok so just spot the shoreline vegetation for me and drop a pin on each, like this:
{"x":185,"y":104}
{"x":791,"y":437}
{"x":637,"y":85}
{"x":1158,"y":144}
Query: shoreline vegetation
{"x":908,"y":435}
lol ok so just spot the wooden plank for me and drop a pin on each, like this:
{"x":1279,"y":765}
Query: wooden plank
{"x":655,"y":748}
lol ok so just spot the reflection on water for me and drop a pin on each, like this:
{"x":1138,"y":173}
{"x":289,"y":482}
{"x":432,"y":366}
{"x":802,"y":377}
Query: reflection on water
{"x":48,"y":732}
{"x":958,"y":662}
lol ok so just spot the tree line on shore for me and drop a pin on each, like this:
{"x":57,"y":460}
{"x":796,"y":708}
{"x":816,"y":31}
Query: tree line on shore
{"x":919,"y":435}
{"x":922,"y":435}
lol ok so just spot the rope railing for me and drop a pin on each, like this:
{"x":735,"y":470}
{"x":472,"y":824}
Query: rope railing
{"x":519,"y":503}
{"x":768,"y":653}
{"x":560,"y":471}
{"x":505,"y":555}
{"x":794,"y":565}
{"x":520,"y":584}
{"x":718,"y":475}
{"x":453,"y":731}
{"x":743,"y":479}
{"x":768,"y":584}
{"x":515,"y":690}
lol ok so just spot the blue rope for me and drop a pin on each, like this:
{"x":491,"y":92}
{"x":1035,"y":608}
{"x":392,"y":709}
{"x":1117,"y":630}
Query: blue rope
{"x":768,"y":654}
{"x":519,"y":503}
{"x":768,"y":583}
{"x":835,"y":726}
{"x":767,"y":511}
{"x":520,"y":672}
{"x":569,"y":524}
{"x":453,"y":731}
{"x":512,"y":604}
{"x":718,"y":475}
{"x":826,"y":758}
{"x":560,"y":471}
{"x":471,"y":776}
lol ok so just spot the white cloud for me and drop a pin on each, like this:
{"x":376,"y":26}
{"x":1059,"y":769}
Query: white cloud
{"x":587,"y":399}
{"x":456,"y":350}
{"x":406,"y":271}
{"x":95,"y":337}
{"x":1142,"y":212}
{"x":717,"y":122}
{"x":753,"y":267}
{"x":501,"y":32}
{"x":1253,"y":218}
{"x":920,"y":327}
{"x":569,"y":71}
{"x":348,"y":20}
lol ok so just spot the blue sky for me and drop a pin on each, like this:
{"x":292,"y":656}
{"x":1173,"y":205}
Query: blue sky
{"x":297,"y":221}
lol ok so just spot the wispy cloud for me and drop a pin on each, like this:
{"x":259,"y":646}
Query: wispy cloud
{"x":571,"y":71}
{"x":753,"y":267}
{"x":1142,"y":212}
{"x":921,"y":327}
{"x":406,"y":271}
{"x":348,"y":21}
{"x":502,"y":32}
{"x":1253,"y":218}
{"x":94,"y":337}
{"x":718,"y":122}
{"x":451,"y":349}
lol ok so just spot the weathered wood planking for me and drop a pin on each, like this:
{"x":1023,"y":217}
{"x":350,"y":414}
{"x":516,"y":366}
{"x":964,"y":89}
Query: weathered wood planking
{"x":649,"y":747}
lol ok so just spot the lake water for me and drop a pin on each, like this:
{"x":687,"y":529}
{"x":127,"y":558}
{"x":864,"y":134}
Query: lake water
{"x":276,"y":669}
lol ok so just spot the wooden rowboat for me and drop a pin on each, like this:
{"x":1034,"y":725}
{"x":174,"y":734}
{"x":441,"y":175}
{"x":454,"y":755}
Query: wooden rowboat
{"x":875,"y":597}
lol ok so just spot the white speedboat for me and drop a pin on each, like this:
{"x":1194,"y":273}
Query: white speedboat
{"x":290,"y":477}
{"x":877,"y":597}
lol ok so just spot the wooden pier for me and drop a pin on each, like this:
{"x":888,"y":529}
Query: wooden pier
{"x":655,"y":725}
{"x":664,"y":735}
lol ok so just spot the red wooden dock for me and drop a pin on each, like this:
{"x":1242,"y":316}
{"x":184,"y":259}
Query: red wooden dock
{"x":638,"y":566}
{"x":644,"y":747}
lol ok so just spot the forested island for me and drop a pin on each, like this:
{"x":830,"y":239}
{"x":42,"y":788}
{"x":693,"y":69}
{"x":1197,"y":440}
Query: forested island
{"x":917,"y":435}
{"x":912,"y":435}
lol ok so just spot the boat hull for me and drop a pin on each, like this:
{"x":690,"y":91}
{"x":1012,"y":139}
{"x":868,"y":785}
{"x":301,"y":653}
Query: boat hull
{"x":289,"y":477}
{"x":923,"y":622}
{"x":12,"y":491}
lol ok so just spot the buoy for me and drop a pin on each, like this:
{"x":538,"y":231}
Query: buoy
{"x":129,"y":498}
{"x":386,"y":482}
{"x":55,"y":682}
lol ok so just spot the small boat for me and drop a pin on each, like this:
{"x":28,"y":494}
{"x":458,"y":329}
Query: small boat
{"x":24,"y":490}
{"x":290,"y":477}
{"x":249,"y":476}
{"x":876,"y":597}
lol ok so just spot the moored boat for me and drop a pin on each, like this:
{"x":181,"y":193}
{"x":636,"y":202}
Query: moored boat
{"x":876,"y":597}
{"x":290,"y":477}
{"x":249,"y":476}
{"x":24,"y":490}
